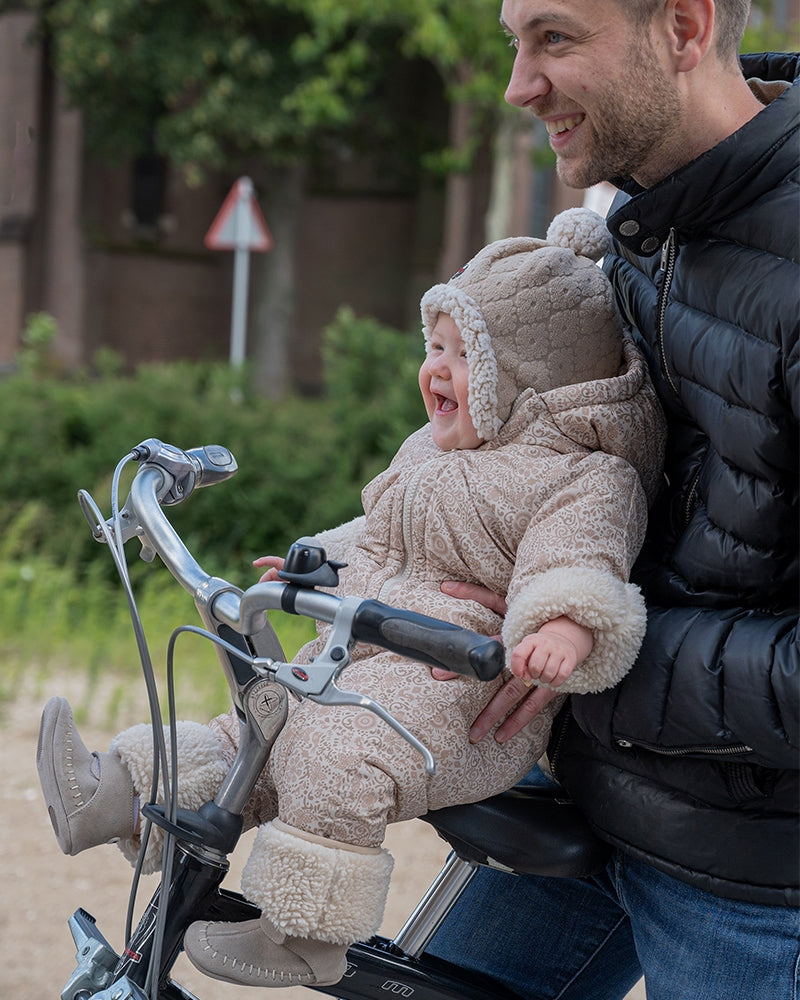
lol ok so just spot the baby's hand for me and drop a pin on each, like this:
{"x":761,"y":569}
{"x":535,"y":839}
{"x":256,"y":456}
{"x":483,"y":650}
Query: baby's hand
{"x":274,"y":562}
{"x":542,"y":657}
{"x":550,"y":655}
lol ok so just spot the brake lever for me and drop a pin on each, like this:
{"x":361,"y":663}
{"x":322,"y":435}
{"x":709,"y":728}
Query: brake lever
{"x":334,"y":695}
{"x":317,"y":680}
{"x":182,"y":471}
{"x":128,"y":524}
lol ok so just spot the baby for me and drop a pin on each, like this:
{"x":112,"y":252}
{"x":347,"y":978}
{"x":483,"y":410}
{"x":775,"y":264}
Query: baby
{"x":532,"y":477}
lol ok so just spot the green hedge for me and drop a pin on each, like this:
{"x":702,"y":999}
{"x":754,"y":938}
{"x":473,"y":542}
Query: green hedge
{"x":302,"y":462}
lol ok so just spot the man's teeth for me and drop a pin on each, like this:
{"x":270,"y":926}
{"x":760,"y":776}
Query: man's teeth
{"x":563,"y":124}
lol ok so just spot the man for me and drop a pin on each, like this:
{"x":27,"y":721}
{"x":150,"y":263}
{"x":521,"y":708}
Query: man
{"x":689,"y":766}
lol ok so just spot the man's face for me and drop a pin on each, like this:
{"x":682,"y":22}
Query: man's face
{"x":598,"y":83}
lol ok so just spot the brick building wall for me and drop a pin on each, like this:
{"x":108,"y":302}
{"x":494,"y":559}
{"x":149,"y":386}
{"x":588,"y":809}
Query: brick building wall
{"x":71,"y":245}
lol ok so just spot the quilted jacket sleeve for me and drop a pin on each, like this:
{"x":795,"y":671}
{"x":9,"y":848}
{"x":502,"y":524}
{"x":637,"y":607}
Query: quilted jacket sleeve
{"x":708,"y":681}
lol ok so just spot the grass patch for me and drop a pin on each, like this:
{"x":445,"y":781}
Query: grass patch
{"x":61,"y":625}
{"x":302,"y":465}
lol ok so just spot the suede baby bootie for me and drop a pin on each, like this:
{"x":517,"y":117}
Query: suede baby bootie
{"x":317,"y":897}
{"x":89,"y":796}
{"x":257,"y":953}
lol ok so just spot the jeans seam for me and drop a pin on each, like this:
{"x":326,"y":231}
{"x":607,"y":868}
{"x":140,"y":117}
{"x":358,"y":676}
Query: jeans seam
{"x":796,"y":977}
{"x":591,"y":957}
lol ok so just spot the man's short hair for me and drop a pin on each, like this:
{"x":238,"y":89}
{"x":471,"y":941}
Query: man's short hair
{"x":731,"y":20}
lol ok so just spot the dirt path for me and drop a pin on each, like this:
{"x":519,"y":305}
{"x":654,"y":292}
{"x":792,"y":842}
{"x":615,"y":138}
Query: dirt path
{"x":42,"y":887}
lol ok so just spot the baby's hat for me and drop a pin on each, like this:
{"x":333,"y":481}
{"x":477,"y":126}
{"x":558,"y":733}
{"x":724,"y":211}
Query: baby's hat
{"x":532,"y":314}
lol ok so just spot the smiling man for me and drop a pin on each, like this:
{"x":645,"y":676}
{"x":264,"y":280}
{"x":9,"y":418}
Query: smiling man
{"x":621,"y":95}
{"x":689,"y":766}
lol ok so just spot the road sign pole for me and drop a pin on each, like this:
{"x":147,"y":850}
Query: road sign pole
{"x":241,"y":271}
{"x":239,"y":226}
{"x":241,"y":268}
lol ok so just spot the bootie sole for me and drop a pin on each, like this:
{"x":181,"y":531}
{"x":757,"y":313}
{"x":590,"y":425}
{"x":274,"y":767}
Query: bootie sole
{"x":217,"y":950}
{"x":54,"y":760}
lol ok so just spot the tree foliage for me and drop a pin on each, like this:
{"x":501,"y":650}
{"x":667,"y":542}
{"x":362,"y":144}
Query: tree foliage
{"x":209,"y":82}
{"x":301,"y":464}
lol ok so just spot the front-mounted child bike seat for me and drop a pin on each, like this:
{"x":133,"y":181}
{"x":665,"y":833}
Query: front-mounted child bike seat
{"x":530,"y":830}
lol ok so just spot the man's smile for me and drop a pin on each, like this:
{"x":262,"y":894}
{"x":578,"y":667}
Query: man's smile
{"x":557,"y":126}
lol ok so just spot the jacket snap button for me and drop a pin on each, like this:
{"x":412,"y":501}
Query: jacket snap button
{"x":629,"y":228}
{"x":624,"y":744}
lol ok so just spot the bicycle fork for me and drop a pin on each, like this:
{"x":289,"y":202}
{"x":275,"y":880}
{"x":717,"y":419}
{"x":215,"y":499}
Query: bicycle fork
{"x":104,"y":975}
{"x":203,"y":842}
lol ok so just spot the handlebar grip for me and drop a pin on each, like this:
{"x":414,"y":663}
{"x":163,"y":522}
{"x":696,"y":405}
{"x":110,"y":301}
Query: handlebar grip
{"x":213,"y":464}
{"x":435,"y":642}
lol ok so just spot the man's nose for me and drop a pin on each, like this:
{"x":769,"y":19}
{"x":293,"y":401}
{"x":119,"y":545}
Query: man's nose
{"x":528,"y":82}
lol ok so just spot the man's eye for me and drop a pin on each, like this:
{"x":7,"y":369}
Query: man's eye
{"x":513,"y":42}
{"x":554,"y":37}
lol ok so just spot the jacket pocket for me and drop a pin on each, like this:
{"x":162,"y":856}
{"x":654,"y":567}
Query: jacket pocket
{"x":750,"y":782}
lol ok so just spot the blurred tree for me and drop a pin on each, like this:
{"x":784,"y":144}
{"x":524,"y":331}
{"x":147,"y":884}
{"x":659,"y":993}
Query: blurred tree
{"x":273,"y":87}
{"x":262,"y":86}
{"x":774,"y":26}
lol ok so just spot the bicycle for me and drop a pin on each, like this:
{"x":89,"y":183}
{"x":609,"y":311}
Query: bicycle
{"x":524,"y":830}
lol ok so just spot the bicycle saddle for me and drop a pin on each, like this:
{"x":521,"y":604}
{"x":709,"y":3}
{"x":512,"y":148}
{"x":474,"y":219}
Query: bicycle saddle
{"x":529,"y":830}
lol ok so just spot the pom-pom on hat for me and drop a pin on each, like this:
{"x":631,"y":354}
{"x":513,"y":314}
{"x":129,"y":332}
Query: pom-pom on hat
{"x":532,"y":314}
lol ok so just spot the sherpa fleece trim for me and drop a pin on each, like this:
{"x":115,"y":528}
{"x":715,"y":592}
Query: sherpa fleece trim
{"x":308,"y":889}
{"x":337,"y":542}
{"x":482,"y":384}
{"x":613,"y":610}
{"x":201,"y":771}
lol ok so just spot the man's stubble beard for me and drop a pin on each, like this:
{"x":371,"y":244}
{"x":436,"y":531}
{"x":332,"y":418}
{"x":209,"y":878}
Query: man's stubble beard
{"x":633,"y":132}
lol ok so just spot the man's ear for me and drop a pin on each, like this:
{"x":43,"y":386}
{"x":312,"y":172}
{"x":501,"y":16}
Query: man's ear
{"x":690,"y":30}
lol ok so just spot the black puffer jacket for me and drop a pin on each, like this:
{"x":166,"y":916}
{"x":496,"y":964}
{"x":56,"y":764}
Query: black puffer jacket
{"x":691,"y":762}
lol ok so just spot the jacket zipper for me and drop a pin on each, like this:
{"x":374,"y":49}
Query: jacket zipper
{"x":687,"y":505}
{"x":408,"y":503}
{"x":684,"y":751}
{"x":559,"y":739}
{"x":669,"y":254}
{"x":552,"y":757}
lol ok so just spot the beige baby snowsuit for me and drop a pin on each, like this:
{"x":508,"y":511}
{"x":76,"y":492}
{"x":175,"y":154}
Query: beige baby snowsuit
{"x":550,"y":511}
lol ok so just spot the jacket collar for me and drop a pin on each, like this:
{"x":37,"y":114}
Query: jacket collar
{"x":723,"y":180}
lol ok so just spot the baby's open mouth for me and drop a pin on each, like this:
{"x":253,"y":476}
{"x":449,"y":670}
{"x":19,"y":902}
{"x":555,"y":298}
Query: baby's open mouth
{"x":445,"y":405}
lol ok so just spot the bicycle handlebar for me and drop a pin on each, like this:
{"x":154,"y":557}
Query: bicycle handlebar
{"x":191,"y":469}
{"x":169,"y":475}
{"x":435,"y":642}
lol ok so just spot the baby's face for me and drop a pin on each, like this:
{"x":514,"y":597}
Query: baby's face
{"x":444,"y":383}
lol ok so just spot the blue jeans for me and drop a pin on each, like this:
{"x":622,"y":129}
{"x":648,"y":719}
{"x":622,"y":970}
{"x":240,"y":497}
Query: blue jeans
{"x":592,"y":939}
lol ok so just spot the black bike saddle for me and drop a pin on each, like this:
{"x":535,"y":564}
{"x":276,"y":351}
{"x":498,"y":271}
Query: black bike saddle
{"x":531,"y":830}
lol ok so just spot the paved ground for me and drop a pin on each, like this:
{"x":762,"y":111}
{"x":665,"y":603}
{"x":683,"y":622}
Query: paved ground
{"x":42,"y":887}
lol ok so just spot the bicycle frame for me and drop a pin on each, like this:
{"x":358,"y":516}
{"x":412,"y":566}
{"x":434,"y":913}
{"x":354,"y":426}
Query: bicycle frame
{"x":197,"y":844}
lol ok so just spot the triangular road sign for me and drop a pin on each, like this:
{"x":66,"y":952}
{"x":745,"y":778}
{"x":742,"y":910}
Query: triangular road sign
{"x":240,"y":223}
